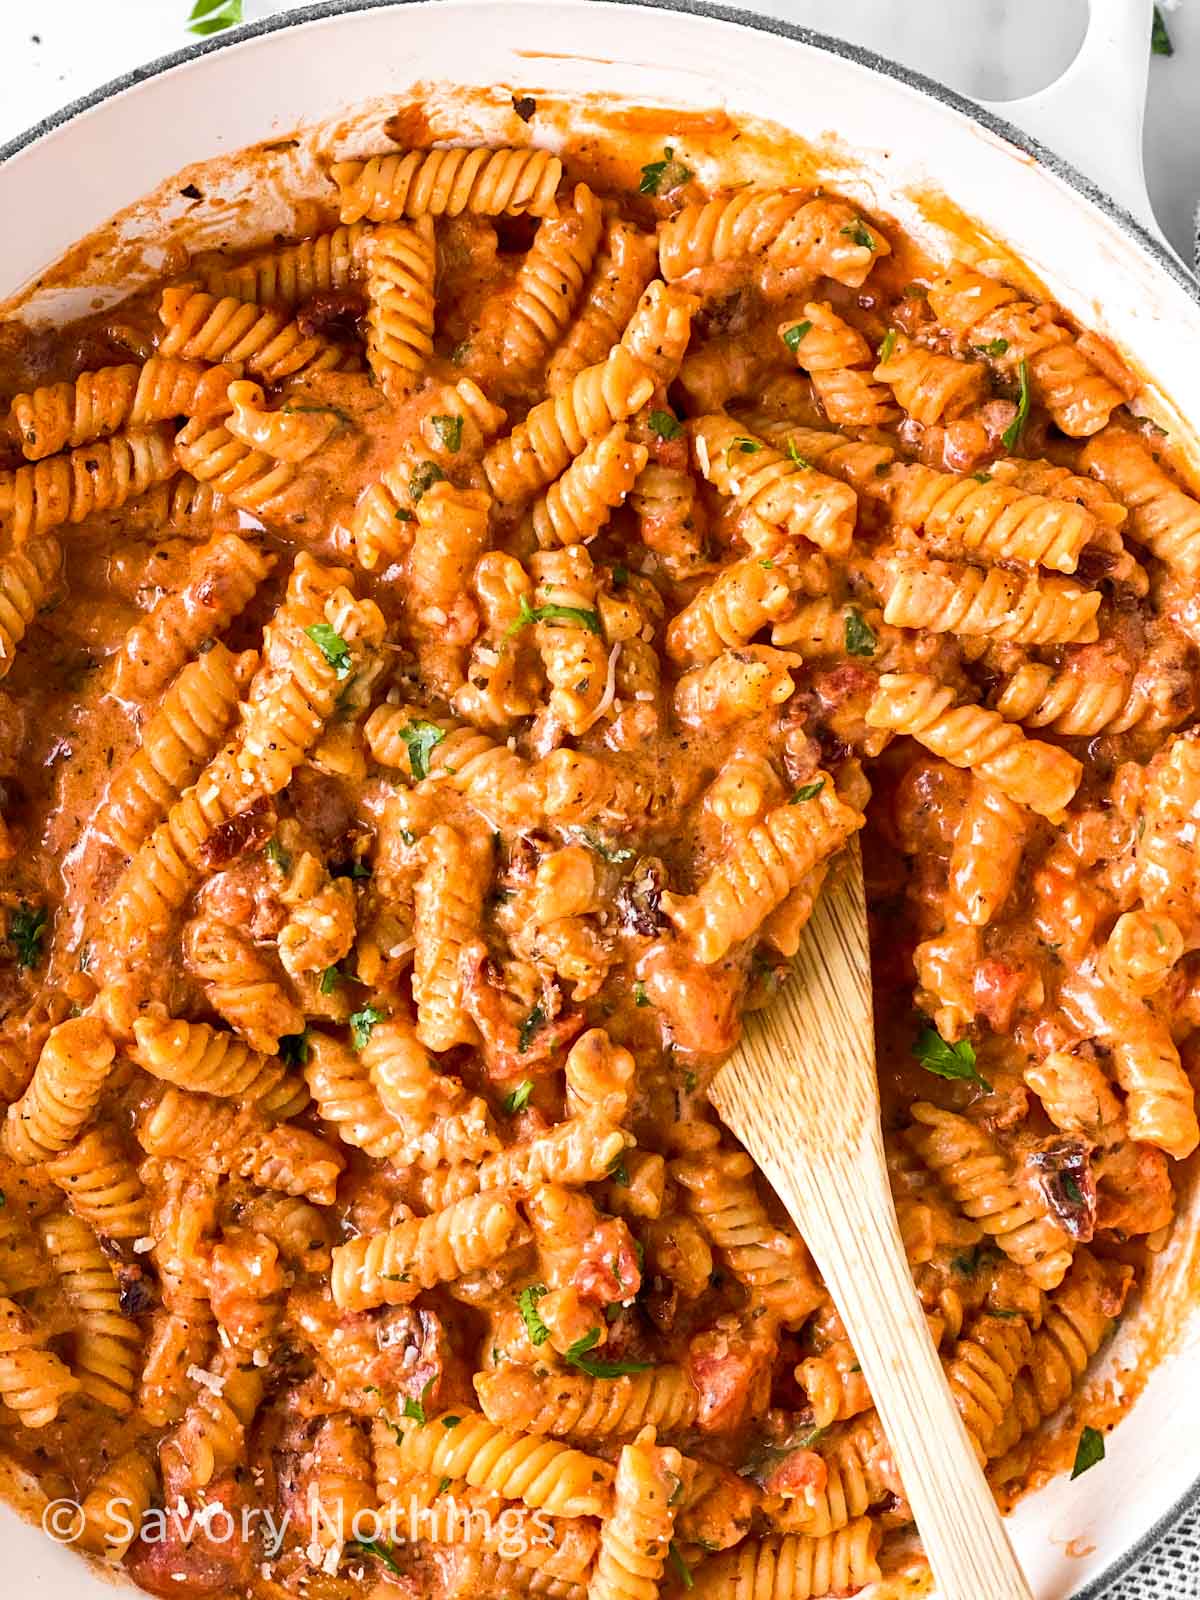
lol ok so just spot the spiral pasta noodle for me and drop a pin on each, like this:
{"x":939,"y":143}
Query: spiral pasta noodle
{"x":400,"y":264}
{"x":64,"y":1091}
{"x":201,"y":327}
{"x":34,"y":1383}
{"x":27,"y":579}
{"x":392,"y":1268}
{"x":96,"y":477}
{"x":106,"y":1343}
{"x":291,"y":274}
{"x":577,"y":505}
{"x":951,"y":597}
{"x":573,"y":1403}
{"x":102,"y":1186}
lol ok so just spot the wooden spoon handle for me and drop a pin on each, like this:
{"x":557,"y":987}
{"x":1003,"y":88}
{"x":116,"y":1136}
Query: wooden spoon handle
{"x":842,"y":1205}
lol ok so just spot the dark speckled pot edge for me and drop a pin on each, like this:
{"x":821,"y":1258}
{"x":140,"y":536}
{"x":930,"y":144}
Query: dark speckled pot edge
{"x":1124,"y":219}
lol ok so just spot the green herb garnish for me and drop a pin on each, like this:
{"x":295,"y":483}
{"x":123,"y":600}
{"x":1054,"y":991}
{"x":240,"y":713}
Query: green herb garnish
{"x":660,"y":177}
{"x":378,"y":1549}
{"x":422,"y":738}
{"x":680,"y":1565}
{"x":956,"y":1061}
{"x":608,"y":852}
{"x":294,"y":1048}
{"x":665,"y":424}
{"x":808,"y":791}
{"x":362,"y":1023}
{"x":211,"y":16}
{"x":529,"y":1028}
{"x":424,"y":477}
{"x":551,"y":613}
{"x":449,"y":430}
{"x":793,"y":335}
{"x":517,"y":1099}
{"x":640,"y":997}
{"x":888,"y":345}
{"x":982,"y":477}
{"x":860,"y":636}
{"x":1012,"y":434}
{"x":26,"y":929}
{"x":1160,"y":39}
{"x":994,"y":347}
{"x":277,"y":855}
{"x":577,"y":1356}
{"x":527,"y":1305}
{"x":332,"y":646}
{"x":802,"y":463}
{"x":330,"y":979}
{"x":860,"y":233}
{"x":619,"y":1173}
{"x":1089,"y":1453}
{"x":742,"y":446}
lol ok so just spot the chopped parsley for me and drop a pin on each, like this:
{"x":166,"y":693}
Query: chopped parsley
{"x":665,"y":424}
{"x":1090,"y":1452}
{"x":211,"y":16}
{"x":26,"y":930}
{"x":352,"y":867}
{"x":793,"y":335}
{"x":422,"y":738}
{"x":640,"y":997}
{"x":330,"y":979}
{"x":860,"y":233}
{"x":294,"y":1048}
{"x":527,"y":1305}
{"x":801,"y":463}
{"x":887,"y":347}
{"x":424,"y":477}
{"x":956,"y":1061}
{"x":619,"y":1173}
{"x":742,"y":446}
{"x":808,"y":791}
{"x":533,"y":1023}
{"x":362,"y":1024}
{"x":551,"y":613}
{"x":577,"y":1356}
{"x":403,"y":514}
{"x":332,"y":646}
{"x":449,"y":430}
{"x":1012,"y":434}
{"x":860,"y":636}
{"x":517,"y":1099}
{"x":1072,"y":1190}
{"x":443,"y":1485}
{"x":680,"y":1565}
{"x":660,"y":177}
{"x":451,"y":1422}
{"x":994,"y":347}
{"x":277,"y":855}
{"x":982,"y":477}
{"x":378,"y":1549}
{"x":415,"y":1409}
{"x":1160,"y":39}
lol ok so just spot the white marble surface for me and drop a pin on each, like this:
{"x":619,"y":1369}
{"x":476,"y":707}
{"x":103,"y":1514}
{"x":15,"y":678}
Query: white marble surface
{"x":54,"y":50}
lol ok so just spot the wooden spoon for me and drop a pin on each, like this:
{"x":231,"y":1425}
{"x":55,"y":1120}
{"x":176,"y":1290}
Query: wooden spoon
{"x":800,"y":1093}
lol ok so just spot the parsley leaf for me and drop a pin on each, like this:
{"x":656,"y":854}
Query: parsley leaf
{"x":619,"y":1173}
{"x":660,"y":177}
{"x":449,"y":430}
{"x":1089,"y":1453}
{"x":517,"y":1099}
{"x":742,"y":446}
{"x":982,"y":477}
{"x":277,"y":855}
{"x":551,"y":613}
{"x":527,"y":1305}
{"x":362,"y":1023}
{"x":956,"y":1061}
{"x":1012,"y":434}
{"x":665,"y":424}
{"x":887,"y":347}
{"x":294,"y":1048}
{"x":330,"y":979}
{"x":424,"y":477}
{"x":1160,"y":39}
{"x":994,"y":347}
{"x":640,"y":997}
{"x":802,"y":463}
{"x":422,"y":738}
{"x":26,"y":929}
{"x":793,"y":335}
{"x":377,"y":1548}
{"x":529,"y":1028}
{"x":810,"y":791}
{"x":210,"y":16}
{"x":680,"y":1565}
{"x":332,"y":646}
{"x":860,"y":636}
{"x":860,"y":233}
{"x":577,"y":1356}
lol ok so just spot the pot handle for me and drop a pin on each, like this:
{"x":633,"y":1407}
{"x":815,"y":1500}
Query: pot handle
{"x":1093,"y":115}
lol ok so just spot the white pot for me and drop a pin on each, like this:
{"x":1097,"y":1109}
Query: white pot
{"x":913,"y":145}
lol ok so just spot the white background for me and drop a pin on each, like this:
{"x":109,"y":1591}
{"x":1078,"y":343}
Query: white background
{"x":52,"y":51}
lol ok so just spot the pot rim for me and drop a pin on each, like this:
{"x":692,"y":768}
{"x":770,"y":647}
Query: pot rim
{"x":1161,"y":256}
